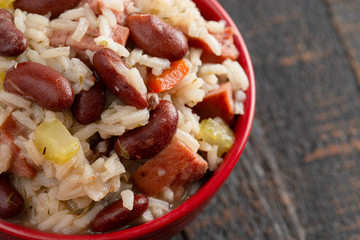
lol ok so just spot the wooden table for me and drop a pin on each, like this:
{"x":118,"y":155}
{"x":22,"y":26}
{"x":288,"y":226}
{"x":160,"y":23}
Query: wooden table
{"x":299,"y":175}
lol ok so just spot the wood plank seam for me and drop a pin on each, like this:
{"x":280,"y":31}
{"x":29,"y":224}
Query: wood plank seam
{"x":349,"y":51}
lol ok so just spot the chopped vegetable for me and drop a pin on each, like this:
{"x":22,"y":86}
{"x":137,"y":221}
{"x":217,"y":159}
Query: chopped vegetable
{"x":2,"y":77}
{"x":217,"y":103}
{"x":169,"y":78}
{"x":55,"y":141}
{"x":217,"y":133}
{"x":6,"y":4}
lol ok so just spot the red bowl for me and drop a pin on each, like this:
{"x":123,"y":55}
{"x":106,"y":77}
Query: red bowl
{"x":173,"y":222}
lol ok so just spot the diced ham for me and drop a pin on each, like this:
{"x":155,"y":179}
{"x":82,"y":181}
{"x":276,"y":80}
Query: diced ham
{"x":217,"y":103}
{"x":173,"y":168}
{"x":120,"y":35}
{"x":59,"y":38}
{"x":87,"y":42}
{"x":228,"y":49}
{"x":9,"y":131}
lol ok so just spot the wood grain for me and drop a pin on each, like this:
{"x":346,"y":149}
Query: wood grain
{"x":299,"y":176}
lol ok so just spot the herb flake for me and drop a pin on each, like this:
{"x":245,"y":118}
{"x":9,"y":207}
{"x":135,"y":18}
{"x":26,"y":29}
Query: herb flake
{"x":11,"y":201}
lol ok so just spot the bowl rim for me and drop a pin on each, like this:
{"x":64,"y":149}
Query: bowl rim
{"x":207,"y":191}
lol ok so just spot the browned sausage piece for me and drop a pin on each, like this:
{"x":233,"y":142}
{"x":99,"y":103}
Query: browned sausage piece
{"x":217,"y":103}
{"x":173,"y":167}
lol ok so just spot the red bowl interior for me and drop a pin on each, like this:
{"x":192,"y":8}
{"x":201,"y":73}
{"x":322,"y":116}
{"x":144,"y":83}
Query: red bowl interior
{"x":173,"y":222}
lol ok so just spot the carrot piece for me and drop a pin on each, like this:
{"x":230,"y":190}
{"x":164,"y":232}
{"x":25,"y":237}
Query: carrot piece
{"x":173,"y":167}
{"x":169,"y":78}
{"x":217,"y":103}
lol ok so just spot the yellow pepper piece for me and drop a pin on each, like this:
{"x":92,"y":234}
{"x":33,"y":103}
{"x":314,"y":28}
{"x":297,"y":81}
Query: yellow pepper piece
{"x":55,"y":142}
{"x":217,"y":133}
{"x":2,"y":77}
{"x":6,"y":4}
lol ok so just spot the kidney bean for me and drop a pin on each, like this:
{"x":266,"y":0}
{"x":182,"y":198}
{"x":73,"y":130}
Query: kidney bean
{"x":156,"y":37}
{"x":6,"y":14}
{"x":147,"y":141}
{"x":110,"y":68}
{"x":12,"y":41}
{"x":116,"y":215}
{"x":40,"y":84}
{"x":11,"y":202}
{"x":42,"y":7}
{"x":88,"y":105}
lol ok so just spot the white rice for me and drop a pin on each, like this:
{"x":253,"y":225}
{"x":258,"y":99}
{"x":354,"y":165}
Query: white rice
{"x":15,"y":100}
{"x":80,"y":30}
{"x":73,"y":14}
{"x":55,"y":52}
{"x":90,"y":16}
{"x":158,"y":207}
{"x":108,"y":42}
{"x":63,"y":24}
{"x":5,"y":158}
{"x":236,"y":75}
{"x":5,"y":64}
{"x":216,"y":27}
{"x":24,"y":119}
{"x":36,"y":35}
{"x":19,"y":20}
{"x":128,"y":199}
{"x":188,"y":139}
{"x":80,"y":182}
{"x":110,"y":17}
{"x":34,"y":56}
{"x":36,"y":21}
{"x":114,"y":5}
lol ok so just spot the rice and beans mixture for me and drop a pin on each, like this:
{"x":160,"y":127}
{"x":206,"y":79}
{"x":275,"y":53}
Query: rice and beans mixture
{"x":111,"y":106}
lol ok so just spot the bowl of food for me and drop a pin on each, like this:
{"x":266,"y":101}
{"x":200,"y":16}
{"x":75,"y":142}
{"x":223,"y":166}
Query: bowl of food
{"x":119,"y":119}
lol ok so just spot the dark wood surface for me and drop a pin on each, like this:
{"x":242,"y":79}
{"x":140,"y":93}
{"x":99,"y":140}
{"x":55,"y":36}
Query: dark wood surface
{"x":299,"y":175}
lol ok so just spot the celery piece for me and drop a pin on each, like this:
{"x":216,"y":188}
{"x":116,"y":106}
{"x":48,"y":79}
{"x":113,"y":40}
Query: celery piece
{"x":2,"y":77}
{"x":55,"y":142}
{"x":6,"y":4}
{"x":217,"y":133}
